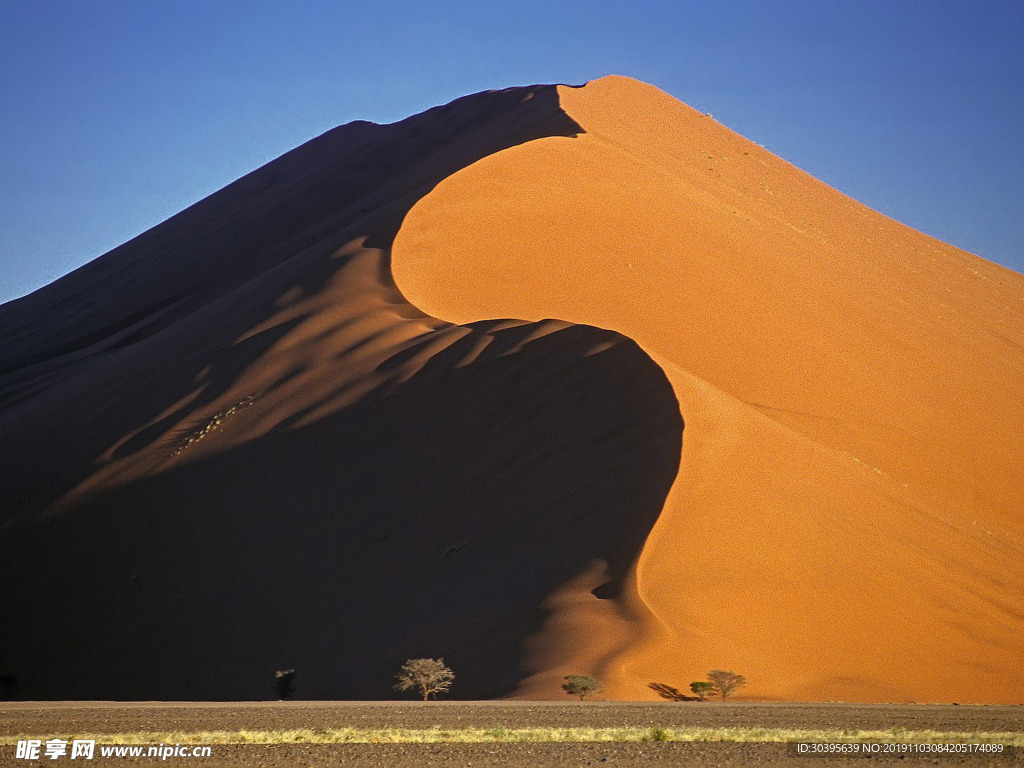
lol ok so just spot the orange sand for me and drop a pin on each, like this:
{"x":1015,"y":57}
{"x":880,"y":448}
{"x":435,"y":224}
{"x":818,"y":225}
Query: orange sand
{"x":846,"y":523}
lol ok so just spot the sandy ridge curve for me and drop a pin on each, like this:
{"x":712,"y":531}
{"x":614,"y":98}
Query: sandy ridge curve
{"x":847,"y":509}
{"x":235,"y":427}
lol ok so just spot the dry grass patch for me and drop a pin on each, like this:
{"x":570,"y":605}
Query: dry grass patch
{"x":492,"y":735}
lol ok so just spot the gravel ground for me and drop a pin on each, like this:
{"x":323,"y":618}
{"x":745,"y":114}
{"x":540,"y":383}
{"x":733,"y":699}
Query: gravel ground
{"x":627,"y":755}
{"x":49,"y":719}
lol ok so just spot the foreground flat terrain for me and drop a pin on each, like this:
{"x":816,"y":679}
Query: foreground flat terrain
{"x":51,"y":719}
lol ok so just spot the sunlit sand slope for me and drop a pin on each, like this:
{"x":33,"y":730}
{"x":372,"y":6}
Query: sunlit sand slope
{"x":847,"y":519}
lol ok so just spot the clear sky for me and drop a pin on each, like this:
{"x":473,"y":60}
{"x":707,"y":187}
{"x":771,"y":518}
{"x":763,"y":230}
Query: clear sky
{"x":115,"y":114}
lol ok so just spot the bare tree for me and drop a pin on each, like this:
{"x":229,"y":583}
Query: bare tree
{"x":428,"y":676}
{"x":582,"y":686}
{"x":725,"y":681}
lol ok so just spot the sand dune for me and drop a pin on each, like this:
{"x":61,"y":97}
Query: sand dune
{"x":420,"y":389}
{"x":847,"y":519}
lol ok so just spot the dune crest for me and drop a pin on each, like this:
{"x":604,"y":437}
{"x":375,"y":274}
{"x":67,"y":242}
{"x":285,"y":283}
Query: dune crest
{"x":847,"y":512}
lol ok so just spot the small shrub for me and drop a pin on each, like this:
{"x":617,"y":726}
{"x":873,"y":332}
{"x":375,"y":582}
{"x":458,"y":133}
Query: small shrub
{"x":428,"y":676}
{"x":702,"y":689}
{"x":284,"y":683}
{"x":582,"y":686}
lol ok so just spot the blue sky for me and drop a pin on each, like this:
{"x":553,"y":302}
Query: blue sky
{"x":115,"y":114}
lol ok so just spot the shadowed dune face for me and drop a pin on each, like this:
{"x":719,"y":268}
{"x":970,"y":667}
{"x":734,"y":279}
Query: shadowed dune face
{"x":232,"y":446}
{"x":434,"y":516}
{"x":279,"y":246}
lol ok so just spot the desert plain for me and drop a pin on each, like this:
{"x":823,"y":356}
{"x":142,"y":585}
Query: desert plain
{"x":890,"y":723}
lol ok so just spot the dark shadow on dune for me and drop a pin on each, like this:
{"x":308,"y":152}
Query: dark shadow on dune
{"x":433,"y":517}
{"x":433,"y":521}
{"x":209,"y":270}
